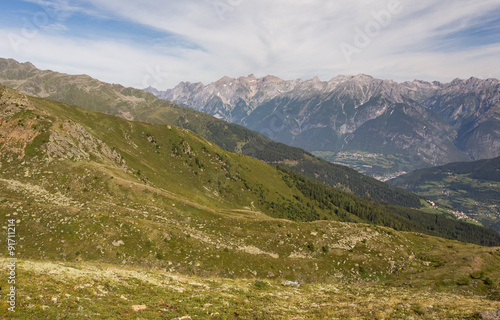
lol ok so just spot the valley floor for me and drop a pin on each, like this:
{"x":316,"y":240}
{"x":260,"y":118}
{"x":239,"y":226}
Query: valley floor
{"x":61,"y":290}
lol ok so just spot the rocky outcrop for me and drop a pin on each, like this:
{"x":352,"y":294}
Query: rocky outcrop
{"x":73,"y":142}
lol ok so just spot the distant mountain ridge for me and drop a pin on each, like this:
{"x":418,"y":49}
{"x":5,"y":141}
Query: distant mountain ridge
{"x":139,"y":105}
{"x":426,"y":123}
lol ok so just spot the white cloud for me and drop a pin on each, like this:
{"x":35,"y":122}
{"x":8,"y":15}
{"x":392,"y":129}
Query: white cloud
{"x":106,"y":60}
{"x":287,"y":38}
{"x":62,"y":9}
{"x":55,"y":27}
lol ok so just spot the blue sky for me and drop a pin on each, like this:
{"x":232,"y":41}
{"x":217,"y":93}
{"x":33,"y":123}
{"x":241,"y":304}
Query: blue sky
{"x":160,"y":43}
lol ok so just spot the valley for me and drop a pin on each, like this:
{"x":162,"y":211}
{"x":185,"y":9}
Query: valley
{"x":470,"y":189}
{"x":381,"y":167}
{"x":133,"y":104}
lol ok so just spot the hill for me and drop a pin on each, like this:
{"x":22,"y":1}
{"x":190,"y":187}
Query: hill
{"x":130,"y":213}
{"x":469,"y":187}
{"x":37,"y":131}
{"x":133,"y":104}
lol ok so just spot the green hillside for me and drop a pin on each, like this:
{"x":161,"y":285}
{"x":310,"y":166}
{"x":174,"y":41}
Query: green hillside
{"x":175,"y":159}
{"x":469,"y":187}
{"x":136,"y":104}
{"x":106,"y":207}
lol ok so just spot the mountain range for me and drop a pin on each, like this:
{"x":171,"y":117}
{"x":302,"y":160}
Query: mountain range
{"x":134,"y":104}
{"x":379,"y":127}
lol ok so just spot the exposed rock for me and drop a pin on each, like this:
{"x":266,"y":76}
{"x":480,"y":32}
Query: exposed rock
{"x":139,"y":307}
{"x":491,"y":315}
{"x":39,"y":193}
{"x":256,"y":251}
{"x":118,"y":243}
{"x":292,"y":283}
{"x":392,"y":266}
{"x":74,"y":142}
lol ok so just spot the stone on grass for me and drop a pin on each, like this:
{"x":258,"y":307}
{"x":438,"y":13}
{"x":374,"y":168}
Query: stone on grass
{"x":292,"y":283}
{"x":139,"y":307}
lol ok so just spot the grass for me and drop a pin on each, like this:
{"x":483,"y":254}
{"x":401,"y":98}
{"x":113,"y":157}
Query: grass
{"x":51,"y":290}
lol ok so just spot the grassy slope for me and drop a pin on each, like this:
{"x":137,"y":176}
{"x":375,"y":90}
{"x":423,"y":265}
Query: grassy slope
{"x":175,"y":159}
{"x":136,"y":104}
{"x":80,"y":291}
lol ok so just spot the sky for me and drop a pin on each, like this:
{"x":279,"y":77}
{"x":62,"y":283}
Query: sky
{"x":161,"y":43}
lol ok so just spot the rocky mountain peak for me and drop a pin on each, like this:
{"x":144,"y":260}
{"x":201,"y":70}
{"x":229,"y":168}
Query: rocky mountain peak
{"x":224,"y":80}
{"x":362,"y":76}
{"x":4,"y":63}
{"x":271,"y":79}
{"x":250,"y":77}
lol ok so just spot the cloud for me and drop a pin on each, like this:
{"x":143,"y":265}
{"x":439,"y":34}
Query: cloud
{"x":207,"y":39}
{"x":55,"y":27}
{"x":63,"y":9}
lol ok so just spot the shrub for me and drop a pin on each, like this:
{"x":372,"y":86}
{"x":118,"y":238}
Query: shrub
{"x":477,"y":275}
{"x":488,"y":281}
{"x":311,"y":247}
{"x":261,"y":284}
{"x":463,"y":282}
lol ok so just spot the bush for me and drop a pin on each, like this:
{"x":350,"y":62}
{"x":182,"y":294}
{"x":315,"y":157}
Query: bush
{"x":311,"y":247}
{"x":463,"y":282}
{"x":261,"y":284}
{"x":477,"y":275}
{"x":488,"y":281}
